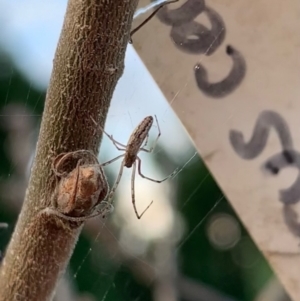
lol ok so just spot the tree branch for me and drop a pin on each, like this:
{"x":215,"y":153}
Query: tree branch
{"x":88,"y":62}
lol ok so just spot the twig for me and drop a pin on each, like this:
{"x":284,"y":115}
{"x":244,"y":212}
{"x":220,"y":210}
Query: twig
{"x":88,"y":63}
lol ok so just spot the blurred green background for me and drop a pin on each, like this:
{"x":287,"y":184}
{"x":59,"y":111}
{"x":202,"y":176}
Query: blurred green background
{"x":212,"y":259}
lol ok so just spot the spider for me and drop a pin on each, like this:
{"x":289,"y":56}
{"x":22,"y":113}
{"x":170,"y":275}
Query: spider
{"x":130,"y":157}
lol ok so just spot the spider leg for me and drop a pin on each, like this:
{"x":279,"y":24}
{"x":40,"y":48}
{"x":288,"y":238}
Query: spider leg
{"x":60,"y":159}
{"x":150,"y":179}
{"x":56,"y":163}
{"x":155,"y":142}
{"x":112,"y":160}
{"x":146,"y":140}
{"x":100,"y":211}
{"x":114,"y":188}
{"x":133,"y":194}
{"x":115,"y":142}
{"x":110,"y":137}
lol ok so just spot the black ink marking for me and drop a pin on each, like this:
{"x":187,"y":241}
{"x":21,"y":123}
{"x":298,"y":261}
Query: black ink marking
{"x":230,"y":50}
{"x":273,"y":169}
{"x":286,"y":158}
{"x":266,"y":120}
{"x":279,"y":161}
{"x":291,"y":220}
{"x":228,"y":84}
{"x":195,"y":38}
{"x":184,"y":14}
{"x":289,"y":156}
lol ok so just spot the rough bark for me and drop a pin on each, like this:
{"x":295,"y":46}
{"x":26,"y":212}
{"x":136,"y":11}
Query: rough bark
{"x":88,"y":62}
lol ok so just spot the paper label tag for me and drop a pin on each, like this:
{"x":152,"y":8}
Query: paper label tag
{"x":230,"y":69}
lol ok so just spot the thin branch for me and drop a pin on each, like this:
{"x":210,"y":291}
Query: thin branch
{"x":88,"y":63}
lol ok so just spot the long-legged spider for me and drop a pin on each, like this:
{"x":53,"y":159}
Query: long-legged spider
{"x":133,"y":147}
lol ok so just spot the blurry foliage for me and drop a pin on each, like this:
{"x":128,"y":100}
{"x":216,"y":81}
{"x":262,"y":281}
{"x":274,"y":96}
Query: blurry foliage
{"x":14,"y":88}
{"x":198,"y":259}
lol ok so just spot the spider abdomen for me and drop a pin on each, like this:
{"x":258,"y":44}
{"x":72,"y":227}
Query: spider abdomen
{"x":136,"y":140}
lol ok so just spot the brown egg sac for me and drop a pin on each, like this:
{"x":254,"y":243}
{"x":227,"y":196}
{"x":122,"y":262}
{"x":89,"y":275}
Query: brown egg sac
{"x":81,"y":190}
